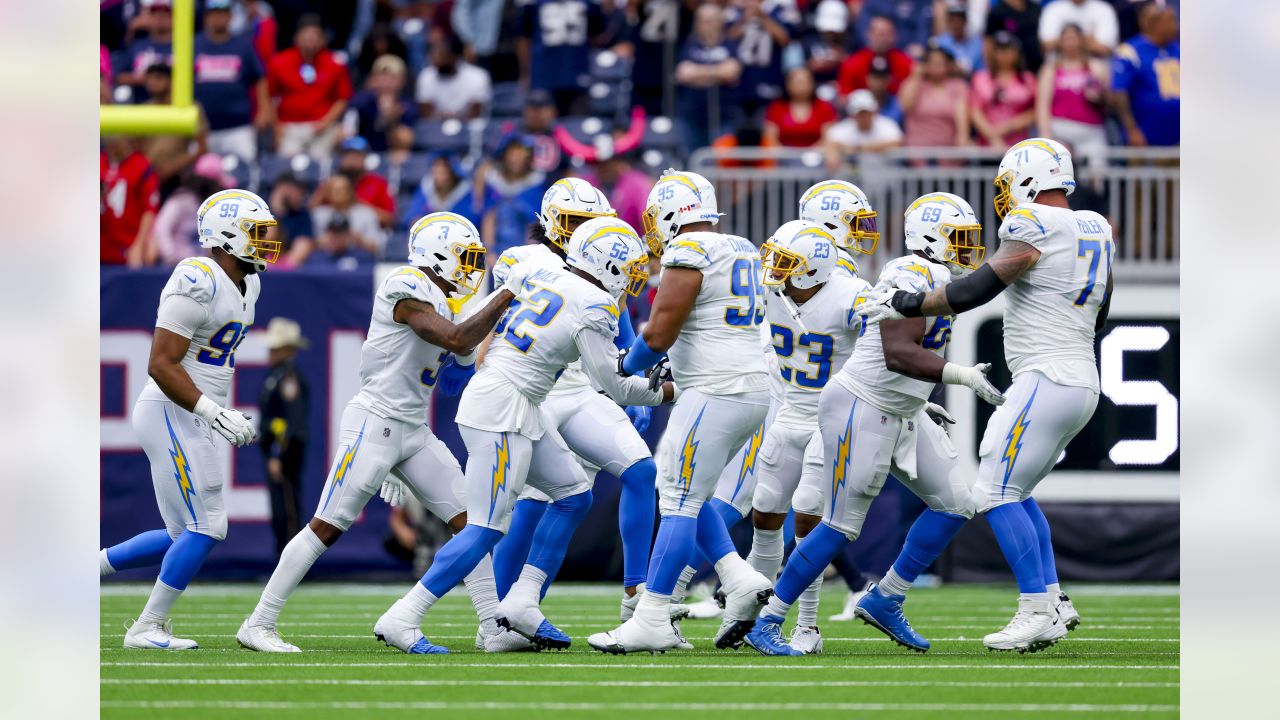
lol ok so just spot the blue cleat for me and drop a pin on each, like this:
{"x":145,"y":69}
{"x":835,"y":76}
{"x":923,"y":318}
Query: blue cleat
{"x":549,"y":637}
{"x":424,"y":647}
{"x":766,"y":637}
{"x":884,"y":613}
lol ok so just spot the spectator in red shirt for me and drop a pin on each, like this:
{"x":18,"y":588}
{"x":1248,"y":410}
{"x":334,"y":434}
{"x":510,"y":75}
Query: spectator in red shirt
{"x":312,"y":87}
{"x":881,"y":36}
{"x":800,"y":118}
{"x":370,"y":188}
{"x":130,"y":198}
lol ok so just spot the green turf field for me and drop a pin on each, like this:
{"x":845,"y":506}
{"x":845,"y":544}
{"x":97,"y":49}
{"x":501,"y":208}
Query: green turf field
{"x":1122,"y":661}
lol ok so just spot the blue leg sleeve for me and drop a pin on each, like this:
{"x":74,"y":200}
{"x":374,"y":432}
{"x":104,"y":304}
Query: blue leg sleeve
{"x":927,"y":538}
{"x":511,"y":552}
{"x":551,"y":541}
{"x":141,"y":550}
{"x":184,"y":558}
{"x":459,"y":557}
{"x":636,"y":508}
{"x":812,"y":555}
{"x":1047,"y":564}
{"x":714,"y":521}
{"x":1017,"y":537}
{"x":672,"y":550}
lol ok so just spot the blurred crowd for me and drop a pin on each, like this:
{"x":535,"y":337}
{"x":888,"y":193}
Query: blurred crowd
{"x":355,"y":118}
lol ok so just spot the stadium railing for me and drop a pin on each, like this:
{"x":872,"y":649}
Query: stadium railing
{"x":1135,"y":188}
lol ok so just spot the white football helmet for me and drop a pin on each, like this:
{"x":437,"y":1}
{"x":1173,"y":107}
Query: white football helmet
{"x":448,"y":245}
{"x":945,"y":228}
{"x":709,"y":202}
{"x":843,"y":209}
{"x":1029,"y":168}
{"x":237,"y":221}
{"x":801,"y":251}
{"x":674,"y":201}
{"x":569,"y":199}
{"x":610,"y":251}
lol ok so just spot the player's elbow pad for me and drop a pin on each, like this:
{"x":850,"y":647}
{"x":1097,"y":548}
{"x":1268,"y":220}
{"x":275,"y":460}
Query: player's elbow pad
{"x":975,"y":290}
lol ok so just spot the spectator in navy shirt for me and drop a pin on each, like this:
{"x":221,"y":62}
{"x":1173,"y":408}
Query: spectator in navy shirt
{"x":912,"y":19}
{"x":155,"y":48}
{"x":657,"y":30}
{"x":965,"y":48}
{"x":761,"y":31}
{"x":1020,"y":18}
{"x":382,"y":106}
{"x":827,"y":50}
{"x":229,"y":82}
{"x":512,"y":190}
{"x":553,"y":47}
{"x":707,"y":74}
{"x":294,"y":229}
{"x":1146,"y":79}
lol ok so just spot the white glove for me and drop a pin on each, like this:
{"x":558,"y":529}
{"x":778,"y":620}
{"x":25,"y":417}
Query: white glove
{"x":230,"y":424}
{"x":974,"y":378}
{"x":392,"y":491}
{"x":516,"y":275}
{"x":939,"y":414}
{"x":877,"y":307}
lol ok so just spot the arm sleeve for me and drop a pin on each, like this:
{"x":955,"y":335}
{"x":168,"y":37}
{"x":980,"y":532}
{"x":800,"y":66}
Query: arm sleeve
{"x":598,"y":363}
{"x":181,"y":314}
{"x":626,"y":333}
{"x":977,"y":288}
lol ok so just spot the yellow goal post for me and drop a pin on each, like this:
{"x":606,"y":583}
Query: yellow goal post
{"x":181,"y":116}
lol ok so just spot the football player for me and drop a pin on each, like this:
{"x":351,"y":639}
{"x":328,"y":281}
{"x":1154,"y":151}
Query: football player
{"x":872,"y":418}
{"x":558,"y":316}
{"x":414,"y":342}
{"x":706,"y":316}
{"x":599,"y":433}
{"x":1054,"y":268}
{"x":205,"y":310}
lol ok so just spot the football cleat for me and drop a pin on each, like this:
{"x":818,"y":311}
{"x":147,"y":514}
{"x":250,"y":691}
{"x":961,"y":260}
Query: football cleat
{"x":402,"y":634}
{"x":850,"y":602}
{"x":155,"y":636}
{"x":544,"y":637}
{"x":520,"y":614}
{"x":1067,"y":612}
{"x":709,"y":608}
{"x":677,"y":611}
{"x":766,"y":637}
{"x":636,"y":635}
{"x":742,"y":602}
{"x":1033,"y":628}
{"x":884,"y":613}
{"x":807,"y":640}
{"x":493,"y":639}
{"x":682,"y":643}
{"x":263,"y":638}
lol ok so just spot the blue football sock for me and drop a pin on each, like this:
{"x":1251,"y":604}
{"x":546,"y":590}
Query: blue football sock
{"x":551,"y":541}
{"x":672,"y":551}
{"x":1047,"y":564}
{"x":927,"y":538}
{"x":789,"y":528}
{"x":458,"y":558}
{"x":513,"y":550}
{"x":1017,"y":537}
{"x":636,"y":507}
{"x":812,"y":555}
{"x":184,"y":558}
{"x":714,"y":521}
{"x":141,"y":550}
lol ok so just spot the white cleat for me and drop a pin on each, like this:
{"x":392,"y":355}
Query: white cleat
{"x":155,"y":636}
{"x":493,"y":639}
{"x":263,"y":638}
{"x":521,"y":615}
{"x":709,"y":609}
{"x":1034,"y":627}
{"x":397,"y":631}
{"x":1066,"y":611}
{"x":807,"y":640}
{"x":682,"y":643}
{"x":636,"y":635}
{"x":743,"y":599}
{"x":850,"y":605}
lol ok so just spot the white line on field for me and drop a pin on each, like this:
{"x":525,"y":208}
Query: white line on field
{"x":615,"y":707}
{"x":628,"y":683}
{"x":1074,"y":638}
{"x":201,"y":624}
{"x":629,"y":666}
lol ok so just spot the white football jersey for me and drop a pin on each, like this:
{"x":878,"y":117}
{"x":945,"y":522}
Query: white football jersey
{"x":398,"y":369}
{"x":810,"y":350}
{"x":845,"y":266}
{"x":216,"y":324}
{"x":865,"y":374}
{"x":1051,"y":310}
{"x":718,"y":350}
{"x":532,"y":345}
{"x":572,"y":380}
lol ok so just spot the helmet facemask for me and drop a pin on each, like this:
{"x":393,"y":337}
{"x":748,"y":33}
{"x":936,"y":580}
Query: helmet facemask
{"x":964,"y":245}
{"x":259,"y":248}
{"x":637,"y":273}
{"x":862,"y":237}
{"x":781,"y":264}
{"x":558,"y":219}
{"x":653,"y":236}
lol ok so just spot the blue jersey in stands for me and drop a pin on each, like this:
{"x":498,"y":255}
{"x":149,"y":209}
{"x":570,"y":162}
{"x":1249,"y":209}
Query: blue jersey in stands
{"x":659,"y":23}
{"x":1152,"y":76}
{"x":225,"y":73}
{"x":760,"y":53}
{"x":560,"y":33}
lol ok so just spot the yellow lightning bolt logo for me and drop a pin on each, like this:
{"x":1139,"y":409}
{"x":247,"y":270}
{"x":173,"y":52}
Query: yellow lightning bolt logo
{"x":344,"y":464}
{"x":749,"y":460}
{"x":181,"y":468}
{"x":840,"y":467}
{"x":920,"y":270}
{"x":501,"y":466}
{"x":687,"y":453}
{"x":1013,"y":444}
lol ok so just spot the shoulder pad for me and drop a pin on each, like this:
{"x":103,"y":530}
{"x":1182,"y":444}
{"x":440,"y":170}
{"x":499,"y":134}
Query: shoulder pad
{"x":1025,"y":224}
{"x":601,"y":315}
{"x":909,"y":273}
{"x":195,"y":278}
{"x":692,"y":250}
{"x":409,"y":283}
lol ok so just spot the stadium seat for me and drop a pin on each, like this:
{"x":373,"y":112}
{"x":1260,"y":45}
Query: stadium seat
{"x":608,"y":99}
{"x":655,"y":161}
{"x":661,"y":133}
{"x":508,"y":100}
{"x":493,"y":132}
{"x":242,"y":172}
{"x":607,"y":66}
{"x":443,"y":136}
{"x":303,"y":167}
{"x":404,"y":178}
{"x":585,"y":128}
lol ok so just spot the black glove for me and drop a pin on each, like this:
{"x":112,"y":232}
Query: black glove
{"x":659,"y":373}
